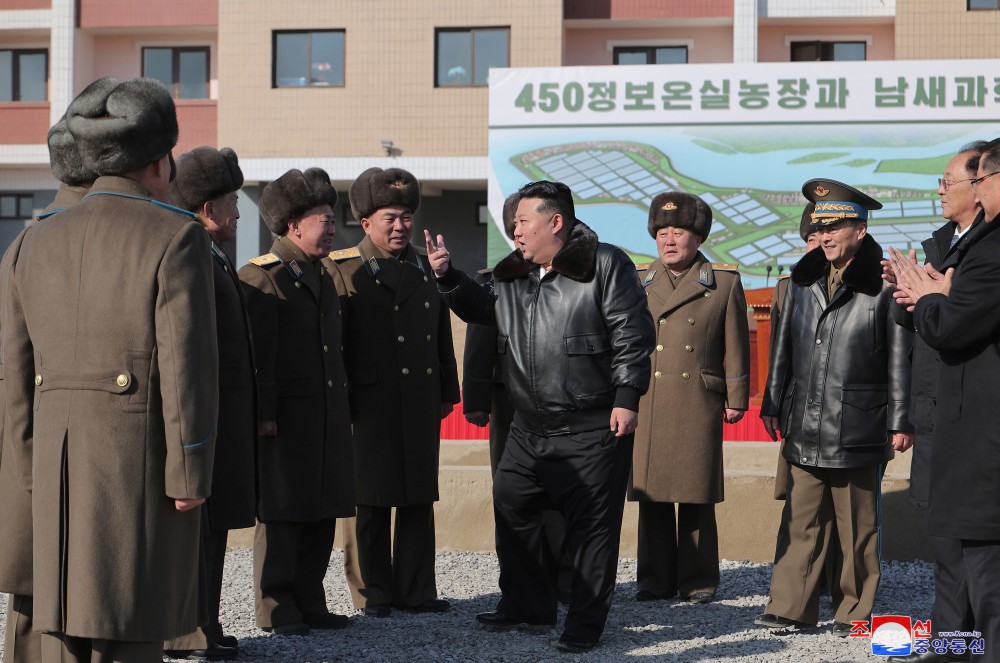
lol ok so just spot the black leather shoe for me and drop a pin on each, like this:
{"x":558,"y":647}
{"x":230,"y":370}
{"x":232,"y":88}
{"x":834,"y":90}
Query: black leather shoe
{"x":378,"y":611}
{"x":646,"y":595}
{"x":229,"y":641}
{"x":329,"y":621}
{"x":841,"y":630}
{"x":295,"y":628}
{"x":499,"y":622}
{"x":211,"y":653}
{"x":572,"y":645}
{"x":701,"y":597}
{"x":927,"y":657}
{"x":778,"y":622}
{"x":431,"y":605}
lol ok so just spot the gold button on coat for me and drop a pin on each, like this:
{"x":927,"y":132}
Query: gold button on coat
{"x":429,"y":371}
{"x":329,"y":383}
{"x":658,"y":374}
{"x":708,"y":294}
{"x":685,"y":375}
{"x":690,"y":321}
{"x":428,"y":337}
{"x":38,"y":380}
{"x":427,"y":304}
{"x":122,"y":380}
{"x":400,"y":339}
{"x":406,"y":371}
{"x":689,"y":348}
{"x":326,"y":348}
{"x":298,"y":284}
{"x":659,"y":348}
{"x":663,"y":321}
{"x":395,"y":308}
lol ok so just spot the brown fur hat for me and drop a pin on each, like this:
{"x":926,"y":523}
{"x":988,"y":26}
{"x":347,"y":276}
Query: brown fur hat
{"x":121,"y":126}
{"x":204,"y":174}
{"x":677,"y":209}
{"x":64,"y":158}
{"x":805,"y":223}
{"x":293,"y":194}
{"x":376,"y":188}
{"x":509,"y":210}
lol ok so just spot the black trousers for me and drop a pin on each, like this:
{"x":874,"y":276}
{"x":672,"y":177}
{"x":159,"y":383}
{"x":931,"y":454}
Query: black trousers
{"x":583,"y":476}
{"x":290,"y":561}
{"x":952,"y":610}
{"x":981,"y":561}
{"x":677,"y":552}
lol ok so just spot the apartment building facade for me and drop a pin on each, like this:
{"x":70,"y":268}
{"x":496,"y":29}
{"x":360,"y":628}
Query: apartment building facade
{"x":348,"y":85}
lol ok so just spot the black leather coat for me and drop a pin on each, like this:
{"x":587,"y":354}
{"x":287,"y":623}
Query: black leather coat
{"x":577,"y":342}
{"x":839,"y":369}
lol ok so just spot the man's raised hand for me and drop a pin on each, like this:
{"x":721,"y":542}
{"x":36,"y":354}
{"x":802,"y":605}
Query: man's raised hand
{"x":437,"y":253}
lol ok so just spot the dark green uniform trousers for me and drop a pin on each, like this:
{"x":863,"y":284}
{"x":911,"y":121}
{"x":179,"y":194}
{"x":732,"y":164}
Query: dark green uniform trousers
{"x":290,"y":561}
{"x":59,"y":648}
{"x":20,"y":643}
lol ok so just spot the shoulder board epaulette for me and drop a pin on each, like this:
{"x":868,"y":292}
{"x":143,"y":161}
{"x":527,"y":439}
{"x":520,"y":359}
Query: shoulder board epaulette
{"x":344,"y":254}
{"x":265,"y":260}
{"x":726,"y":266}
{"x":641,"y":266}
{"x":785,"y":276}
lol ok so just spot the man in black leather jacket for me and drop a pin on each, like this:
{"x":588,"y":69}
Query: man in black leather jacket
{"x":577,"y":334}
{"x":839,"y":379}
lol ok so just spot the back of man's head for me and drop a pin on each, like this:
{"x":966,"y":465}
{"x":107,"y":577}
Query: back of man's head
{"x":975,"y":152}
{"x":556,"y":198}
{"x":989,"y":160}
{"x":122,"y":126}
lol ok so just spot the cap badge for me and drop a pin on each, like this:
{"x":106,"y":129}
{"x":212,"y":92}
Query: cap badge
{"x":398,"y":184}
{"x":821,"y":190}
{"x":669,"y":206}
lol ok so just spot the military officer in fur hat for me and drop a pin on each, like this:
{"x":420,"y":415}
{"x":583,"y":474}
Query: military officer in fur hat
{"x":111,"y":409}
{"x":701,"y":377}
{"x":837,"y":392}
{"x":401,"y":357}
{"x":22,"y":644}
{"x":304,"y":469}
{"x":207,"y":183}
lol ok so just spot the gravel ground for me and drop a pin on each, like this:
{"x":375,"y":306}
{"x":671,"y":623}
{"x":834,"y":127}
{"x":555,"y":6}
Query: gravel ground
{"x":721,"y":631}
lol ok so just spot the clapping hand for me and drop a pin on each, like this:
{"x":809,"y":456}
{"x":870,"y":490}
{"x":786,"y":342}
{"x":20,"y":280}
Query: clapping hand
{"x":914,"y":281}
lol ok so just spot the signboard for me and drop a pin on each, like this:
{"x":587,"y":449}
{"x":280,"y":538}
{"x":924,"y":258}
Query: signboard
{"x":744,"y":138}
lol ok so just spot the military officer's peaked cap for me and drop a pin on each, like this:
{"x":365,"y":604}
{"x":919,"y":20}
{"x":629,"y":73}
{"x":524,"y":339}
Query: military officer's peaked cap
{"x":121,"y":126}
{"x":805,"y":223}
{"x":204,"y":174}
{"x":292,"y":195}
{"x":64,"y":157}
{"x":509,"y":212}
{"x":677,"y":209}
{"x":836,"y":201}
{"x":376,"y":188}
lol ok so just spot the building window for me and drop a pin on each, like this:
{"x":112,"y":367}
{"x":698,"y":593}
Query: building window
{"x":464,"y":56}
{"x":651,"y":54}
{"x":815,"y":51}
{"x":308,"y":59}
{"x":24,"y":75}
{"x":17,"y":206}
{"x":183,"y":70}
{"x":984,"y":4}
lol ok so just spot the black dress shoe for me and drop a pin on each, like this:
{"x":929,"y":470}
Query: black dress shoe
{"x":229,"y":641}
{"x":210,"y":653}
{"x":295,"y":628}
{"x":926,"y":657}
{"x":572,"y":645}
{"x":841,"y":630}
{"x":646,"y":595}
{"x":499,"y":622}
{"x":328,"y":621}
{"x":431,"y":605}
{"x":701,"y":597}
{"x":783,"y":623}
{"x":378,"y":611}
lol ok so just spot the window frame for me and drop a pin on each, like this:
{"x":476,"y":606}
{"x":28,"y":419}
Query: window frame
{"x":650,"y":52}
{"x":827,"y":44}
{"x":309,"y":84}
{"x":472,"y":54}
{"x":175,"y":67}
{"x":970,"y":8}
{"x":18,"y":196}
{"x":15,"y":73}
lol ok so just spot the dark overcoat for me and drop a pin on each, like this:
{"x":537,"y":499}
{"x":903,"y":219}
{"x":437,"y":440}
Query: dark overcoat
{"x":305,"y":473}
{"x":701,"y":366}
{"x":402,"y":368}
{"x":111,"y":387}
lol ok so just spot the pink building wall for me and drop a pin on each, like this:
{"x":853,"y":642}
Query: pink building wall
{"x":771,"y":45}
{"x":589,"y":47}
{"x":147,"y":13}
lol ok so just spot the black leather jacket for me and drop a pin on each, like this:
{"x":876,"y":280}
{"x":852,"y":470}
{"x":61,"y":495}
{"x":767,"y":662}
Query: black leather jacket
{"x":839,"y":369}
{"x":577,"y":342}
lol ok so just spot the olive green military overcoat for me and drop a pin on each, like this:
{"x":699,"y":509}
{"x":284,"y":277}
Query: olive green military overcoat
{"x":402,"y":367}
{"x":701,"y":365}
{"x":111,"y":384}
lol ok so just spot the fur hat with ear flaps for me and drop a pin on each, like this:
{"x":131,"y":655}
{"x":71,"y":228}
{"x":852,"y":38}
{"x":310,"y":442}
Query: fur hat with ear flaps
{"x":677,"y":209}
{"x":64,"y":157}
{"x":121,"y":126}
{"x":292,"y":195}
{"x":376,"y":188}
{"x":204,"y":174}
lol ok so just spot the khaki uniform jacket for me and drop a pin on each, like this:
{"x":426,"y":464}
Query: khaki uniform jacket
{"x":233,"y":503}
{"x":110,"y":362}
{"x":701,"y":365}
{"x":305,"y":473}
{"x":402,"y":367}
{"x":15,"y":513}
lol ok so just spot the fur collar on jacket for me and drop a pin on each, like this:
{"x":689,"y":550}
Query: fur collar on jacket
{"x":574,"y":260}
{"x":864,"y":274}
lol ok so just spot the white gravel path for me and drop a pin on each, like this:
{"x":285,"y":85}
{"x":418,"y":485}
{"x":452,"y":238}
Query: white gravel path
{"x":674,"y":631}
